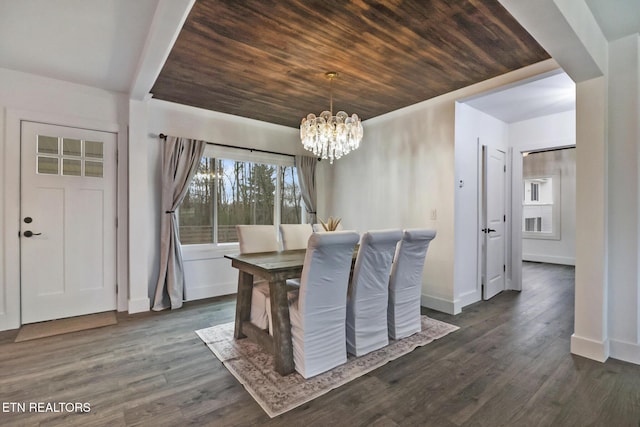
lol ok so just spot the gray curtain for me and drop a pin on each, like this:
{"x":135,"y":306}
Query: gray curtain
{"x":306,"y":167}
{"x":180,"y":161}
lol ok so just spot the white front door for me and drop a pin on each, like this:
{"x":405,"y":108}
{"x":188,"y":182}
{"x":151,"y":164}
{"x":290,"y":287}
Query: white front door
{"x":494,"y":221}
{"x":67,"y":222}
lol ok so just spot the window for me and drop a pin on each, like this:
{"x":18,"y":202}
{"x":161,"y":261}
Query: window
{"x":234,"y":186}
{"x":77,"y":157}
{"x":533,"y":224}
{"x":541,"y":207}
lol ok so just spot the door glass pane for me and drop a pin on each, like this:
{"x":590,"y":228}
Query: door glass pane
{"x":71,"y":147}
{"x":93,"y":149}
{"x":71,"y":167}
{"x":47,"y":145}
{"x":196,"y":211}
{"x":48,"y":165}
{"x":93,"y":169}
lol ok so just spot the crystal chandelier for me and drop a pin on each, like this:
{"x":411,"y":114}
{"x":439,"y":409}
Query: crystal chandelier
{"x":328,"y":136}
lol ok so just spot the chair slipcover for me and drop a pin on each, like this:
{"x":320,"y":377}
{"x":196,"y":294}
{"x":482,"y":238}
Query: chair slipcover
{"x":405,"y":283}
{"x":318,"y":313}
{"x":252,"y":239}
{"x":369,"y":292}
{"x":295,"y":236}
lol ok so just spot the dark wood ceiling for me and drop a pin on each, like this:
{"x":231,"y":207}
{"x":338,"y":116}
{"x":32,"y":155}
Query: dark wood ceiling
{"x":266,"y":59}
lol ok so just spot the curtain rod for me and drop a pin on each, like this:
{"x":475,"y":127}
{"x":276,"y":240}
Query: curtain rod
{"x":163,"y":136}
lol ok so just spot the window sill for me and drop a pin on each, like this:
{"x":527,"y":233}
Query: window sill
{"x":540,"y":235}
{"x":208,"y":251}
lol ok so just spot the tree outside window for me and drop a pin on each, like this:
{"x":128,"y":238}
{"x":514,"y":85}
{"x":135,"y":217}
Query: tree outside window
{"x":226,"y":192}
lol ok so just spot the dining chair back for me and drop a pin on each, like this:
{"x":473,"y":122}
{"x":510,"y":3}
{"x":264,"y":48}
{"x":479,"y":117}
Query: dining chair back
{"x":369,"y":292}
{"x":295,"y":236}
{"x":318,"y":311}
{"x":405,"y":283}
{"x":254,"y":239}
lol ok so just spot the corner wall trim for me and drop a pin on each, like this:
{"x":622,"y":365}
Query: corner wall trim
{"x":440,"y":304}
{"x":591,"y":349}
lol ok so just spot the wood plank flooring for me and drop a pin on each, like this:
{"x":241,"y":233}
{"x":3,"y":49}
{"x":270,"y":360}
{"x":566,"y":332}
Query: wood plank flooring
{"x":509,"y":364}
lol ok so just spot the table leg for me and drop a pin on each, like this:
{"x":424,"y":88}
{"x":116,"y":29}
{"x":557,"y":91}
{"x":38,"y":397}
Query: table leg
{"x":243,"y":302}
{"x":282,"y":346}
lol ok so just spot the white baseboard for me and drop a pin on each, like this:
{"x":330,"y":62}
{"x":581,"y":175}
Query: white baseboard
{"x":440,"y":304}
{"x":209,"y":291}
{"x":550,"y":259}
{"x":139,"y":305}
{"x":625,"y":351}
{"x":591,"y":349}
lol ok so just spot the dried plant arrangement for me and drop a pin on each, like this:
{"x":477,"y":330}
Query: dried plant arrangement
{"x":331,"y":224}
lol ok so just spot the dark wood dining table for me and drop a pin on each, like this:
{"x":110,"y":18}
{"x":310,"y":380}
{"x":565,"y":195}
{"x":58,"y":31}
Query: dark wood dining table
{"x":275,"y":267}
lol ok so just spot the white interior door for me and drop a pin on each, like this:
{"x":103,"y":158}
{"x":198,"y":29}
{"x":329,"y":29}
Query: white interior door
{"x":68,"y":222}
{"x":494,"y":222}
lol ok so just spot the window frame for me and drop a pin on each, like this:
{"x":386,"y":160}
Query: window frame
{"x":554,"y":204}
{"x":219,"y":152}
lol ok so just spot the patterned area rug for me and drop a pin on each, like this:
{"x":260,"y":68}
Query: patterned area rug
{"x":277,"y":394}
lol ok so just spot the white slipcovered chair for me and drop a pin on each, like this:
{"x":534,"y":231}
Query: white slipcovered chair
{"x":318,"y":309}
{"x":253,"y":239}
{"x":295,"y":236}
{"x":405,"y":283}
{"x":369,"y":292}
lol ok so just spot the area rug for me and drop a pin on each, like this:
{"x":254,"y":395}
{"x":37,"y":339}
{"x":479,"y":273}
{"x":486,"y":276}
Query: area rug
{"x":277,"y":394}
{"x":34,"y":331}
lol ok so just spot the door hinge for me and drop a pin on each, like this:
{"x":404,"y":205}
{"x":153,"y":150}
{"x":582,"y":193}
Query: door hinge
{"x":504,"y":218}
{"x":116,"y":222}
{"x":505,"y":168}
{"x":504,"y":268}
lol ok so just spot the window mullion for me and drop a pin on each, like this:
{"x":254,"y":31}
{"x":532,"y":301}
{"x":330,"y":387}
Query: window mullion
{"x":276,"y":206}
{"x":214,"y":209}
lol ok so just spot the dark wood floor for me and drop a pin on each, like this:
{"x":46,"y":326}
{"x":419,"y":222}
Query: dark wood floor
{"x":509,"y":364}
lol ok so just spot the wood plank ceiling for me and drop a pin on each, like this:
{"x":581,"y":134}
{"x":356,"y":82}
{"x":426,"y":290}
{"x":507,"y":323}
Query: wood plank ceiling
{"x":266,"y":59}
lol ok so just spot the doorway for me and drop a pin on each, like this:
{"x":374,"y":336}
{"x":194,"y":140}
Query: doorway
{"x":548,"y":199}
{"x":68,"y":221}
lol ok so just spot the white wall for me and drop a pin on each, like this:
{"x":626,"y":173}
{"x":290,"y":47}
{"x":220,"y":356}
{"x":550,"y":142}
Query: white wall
{"x":405,"y":170}
{"x":553,"y":131}
{"x":30,"y":97}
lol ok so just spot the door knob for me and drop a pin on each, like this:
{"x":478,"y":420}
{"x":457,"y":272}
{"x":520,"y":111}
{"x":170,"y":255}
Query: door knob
{"x":488,"y":230}
{"x":30,"y":233}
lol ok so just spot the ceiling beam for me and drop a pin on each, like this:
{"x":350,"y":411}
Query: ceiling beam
{"x":168,"y":20}
{"x":567,"y":30}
